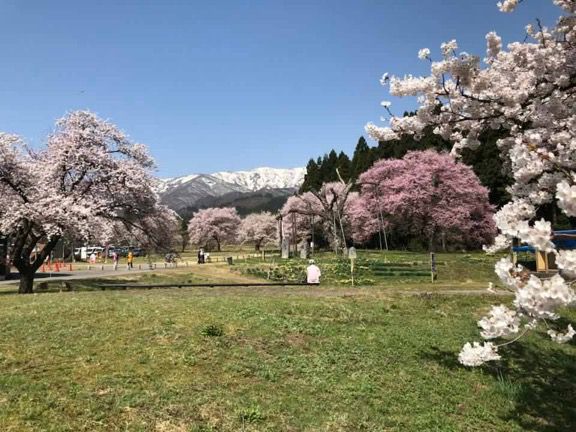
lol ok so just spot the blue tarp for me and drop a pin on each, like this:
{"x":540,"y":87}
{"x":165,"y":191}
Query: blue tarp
{"x":564,"y":239}
{"x":523,"y":249}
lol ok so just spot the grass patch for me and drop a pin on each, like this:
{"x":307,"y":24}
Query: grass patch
{"x":141,"y":361}
{"x":394,"y":268}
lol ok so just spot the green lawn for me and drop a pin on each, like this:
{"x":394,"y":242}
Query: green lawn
{"x":404,"y":270}
{"x":310,"y":359}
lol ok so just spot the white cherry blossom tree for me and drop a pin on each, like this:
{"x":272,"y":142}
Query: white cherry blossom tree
{"x":527,"y":89}
{"x":259,"y":228}
{"x":215,"y":224}
{"x":89,"y":178}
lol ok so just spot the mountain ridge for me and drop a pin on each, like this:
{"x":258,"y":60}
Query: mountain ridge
{"x":186,"y":194}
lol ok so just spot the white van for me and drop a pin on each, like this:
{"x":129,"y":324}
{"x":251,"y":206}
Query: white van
{"x":84,"y":252}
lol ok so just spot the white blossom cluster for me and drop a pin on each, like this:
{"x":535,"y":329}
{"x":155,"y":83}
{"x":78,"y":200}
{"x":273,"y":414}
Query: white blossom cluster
{"x":540,"y":299}
{"x":476,"y":354}
{"x":562,"y":337}
{"x":507,"y":5}
{"x":424,"y":53}
{"x":526,"y":90}
{"x":566,"y":262}
{"x":500,"y":322}
{"x":566,"y":195}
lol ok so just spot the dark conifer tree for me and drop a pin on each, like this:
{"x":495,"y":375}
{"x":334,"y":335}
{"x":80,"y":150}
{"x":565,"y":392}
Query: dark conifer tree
{"x":328,"y":167}
{"x":344,"y":166}
{"x":312,"y":180}
{"x":362,"y":158}
{"x":489,"y":167}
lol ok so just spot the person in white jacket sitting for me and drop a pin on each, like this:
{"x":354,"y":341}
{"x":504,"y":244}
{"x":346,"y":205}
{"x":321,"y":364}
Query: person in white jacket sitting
{"x":312,"y":273}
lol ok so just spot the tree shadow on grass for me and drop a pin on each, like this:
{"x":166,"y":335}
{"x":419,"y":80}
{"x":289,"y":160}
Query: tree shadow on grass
{"x":540,"y":382}
{"x":67,"y":285}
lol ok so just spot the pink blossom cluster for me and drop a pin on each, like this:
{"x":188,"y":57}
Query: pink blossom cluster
{"x":425,"y":194}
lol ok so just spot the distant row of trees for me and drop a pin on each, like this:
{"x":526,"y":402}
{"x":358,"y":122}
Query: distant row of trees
{"x":212,"y":227}
{"x":426,"y":196}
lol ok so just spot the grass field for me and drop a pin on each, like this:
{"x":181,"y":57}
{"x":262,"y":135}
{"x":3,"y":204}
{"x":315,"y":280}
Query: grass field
{"x":325,"y":358}
{"x":405,"y":270}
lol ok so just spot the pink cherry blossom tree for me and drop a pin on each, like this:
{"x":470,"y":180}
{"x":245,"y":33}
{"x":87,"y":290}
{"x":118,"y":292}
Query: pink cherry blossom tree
{"x":260,"y":229}
{"x":214,"y":224}
{"x":528,"y":90}
{"x":87,"y":179}
{"x":328,"y":207}
{"x":367,"y":218}
{"x":426,"y":195}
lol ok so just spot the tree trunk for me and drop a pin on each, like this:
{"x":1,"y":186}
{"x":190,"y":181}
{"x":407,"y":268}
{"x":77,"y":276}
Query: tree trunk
{"x":257,"y":246}
{"x":26,"y":282}
{"x":431,"y":243}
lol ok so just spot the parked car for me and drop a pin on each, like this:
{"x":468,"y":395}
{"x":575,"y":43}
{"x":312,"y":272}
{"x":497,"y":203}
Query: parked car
{"x":83,"y":253}
{"x":138,"y":252}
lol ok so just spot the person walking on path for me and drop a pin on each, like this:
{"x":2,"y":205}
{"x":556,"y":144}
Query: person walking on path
{"x":115,"y":260}
{"x":201,"y":256}
{"x":130,"y":259}
{"x":313,"y":273}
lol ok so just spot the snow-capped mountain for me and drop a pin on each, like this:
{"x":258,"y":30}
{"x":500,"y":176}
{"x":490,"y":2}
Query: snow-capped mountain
{"x":243,"y":181}
{"x":264,"y":178}
{"x":187,"y":193}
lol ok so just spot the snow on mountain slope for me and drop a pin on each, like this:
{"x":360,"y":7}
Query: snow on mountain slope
{"x":185,"y":192}
{"x":243,"y":181}
{"x":264,"y":178}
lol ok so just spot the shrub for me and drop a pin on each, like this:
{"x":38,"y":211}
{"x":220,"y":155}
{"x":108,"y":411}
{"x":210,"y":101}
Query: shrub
{"x":212,"y":330}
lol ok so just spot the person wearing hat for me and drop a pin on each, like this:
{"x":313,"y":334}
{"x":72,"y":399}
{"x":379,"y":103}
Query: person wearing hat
{"x":312,"y":273}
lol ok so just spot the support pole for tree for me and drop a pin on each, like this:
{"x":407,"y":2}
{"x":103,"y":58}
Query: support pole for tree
{"x":294,"y":234}
{"x":342,"y":229}
{"x":384,"y":230}
{"x":432,"y":266}
{"x":280,"y":230}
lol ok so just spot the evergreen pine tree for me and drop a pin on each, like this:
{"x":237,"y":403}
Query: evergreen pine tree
{"x":362,"y":158}
{"x":486,"y":163}
{"x":344,"y":166}
{"x":312,"y":180}
{"x":328,"y":167}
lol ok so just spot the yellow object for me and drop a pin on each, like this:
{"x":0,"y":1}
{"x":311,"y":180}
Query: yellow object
{"x":541,"y":261}
{"x":545,"y":261}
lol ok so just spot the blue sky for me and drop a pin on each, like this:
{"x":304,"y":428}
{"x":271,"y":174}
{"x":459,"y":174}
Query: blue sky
{"x":228,"y":85}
